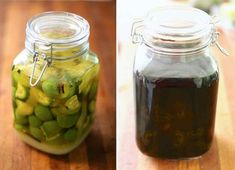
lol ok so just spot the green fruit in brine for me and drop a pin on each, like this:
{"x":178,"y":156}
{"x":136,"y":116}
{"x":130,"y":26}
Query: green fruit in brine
{"x":91,"y":106}
{"x":87,"y":79}
{"x":50,"y":72}
{"x":50,"y":87}
{"x":20,"y":119}
{"x":93,"y":91}
{"x":23,"y":108}
{"x":22,"y":128}
{"x":57,"y":103}
{"x":77,"y":71}
{"x":59,"y":111}
{"x":70,"y":134}
{"x":87,"y":122}
{"x":34,"y":121}
{"x":51,"y":129}
{"x":62,"y":110}
{"x":67,"y":121}
{"x":36,"y":133}
{"x":40,"y":96}
{"x":66,"y":87}
{"x":27,"y":69}
{"x":21,"y":92}
{"x":73,"y":103}
{"x":31,"y":100}
{"x":19,"y":77}
{"x":82,"y":117}
{"x":43,"y":113}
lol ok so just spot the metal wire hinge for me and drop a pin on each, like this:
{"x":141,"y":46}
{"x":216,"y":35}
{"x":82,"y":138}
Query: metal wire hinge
{"x":136,"y":36}
{"x":215,"y":41}
{"x":36,"y":58}
{"x":215,"y":36}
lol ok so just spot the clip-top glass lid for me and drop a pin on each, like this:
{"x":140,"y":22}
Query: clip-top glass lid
{"x":58,"y":27}
{"x":174,"y":26}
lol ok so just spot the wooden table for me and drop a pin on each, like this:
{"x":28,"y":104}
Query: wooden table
{"x":98,"y":150}
{"x":221,"y":156}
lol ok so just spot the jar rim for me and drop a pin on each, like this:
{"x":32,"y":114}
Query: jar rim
{"x":177,"y":29}
{"x":76,"y":26}
{"x":60,"y":29}
{"x":179,"y":21}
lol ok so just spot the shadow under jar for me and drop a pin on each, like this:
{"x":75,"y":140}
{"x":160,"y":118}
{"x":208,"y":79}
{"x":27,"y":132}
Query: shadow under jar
{"x":54,"y":83}
{"x":176,"y":83}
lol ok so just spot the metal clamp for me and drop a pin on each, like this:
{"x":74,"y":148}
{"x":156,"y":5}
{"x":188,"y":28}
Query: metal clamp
{"x":136,"y":36}
{"x":48,"y":61}
{"x":215,"y":36}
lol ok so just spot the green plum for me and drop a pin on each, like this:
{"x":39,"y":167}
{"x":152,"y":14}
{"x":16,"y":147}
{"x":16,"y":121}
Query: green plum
{"x":71,"y":134}
{"x":34,"y":121}
{"x":67,"y":121}
{"x":51,"y":129}
{"x":43,"y":113}
{"x":36,"y":133}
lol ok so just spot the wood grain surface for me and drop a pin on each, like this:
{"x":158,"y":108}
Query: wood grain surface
{"x":97,"y":152}
{"x":221,"y":156}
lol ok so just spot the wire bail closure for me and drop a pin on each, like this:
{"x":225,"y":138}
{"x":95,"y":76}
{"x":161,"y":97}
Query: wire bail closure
{"x":215,"y":41}
{"x":215,"y":36}
{"x":137,"y":37}
{"x":36,"y":56}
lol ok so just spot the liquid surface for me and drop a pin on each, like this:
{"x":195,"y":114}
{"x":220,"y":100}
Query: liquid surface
{"x":175,"y":116}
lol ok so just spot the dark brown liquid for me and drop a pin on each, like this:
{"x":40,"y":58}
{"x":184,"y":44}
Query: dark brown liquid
{"x":175,"y":116}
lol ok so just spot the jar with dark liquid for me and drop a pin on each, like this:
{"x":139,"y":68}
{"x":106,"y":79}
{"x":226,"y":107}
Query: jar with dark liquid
{"x":175,"y":83}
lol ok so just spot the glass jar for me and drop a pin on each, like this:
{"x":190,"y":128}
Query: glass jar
{"x":54,"y":83}
{"x":175,"y":82}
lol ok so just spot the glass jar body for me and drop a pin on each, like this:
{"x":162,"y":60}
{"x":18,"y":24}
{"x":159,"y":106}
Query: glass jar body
{"x":175,"y":99}
{"x":57,"y":114}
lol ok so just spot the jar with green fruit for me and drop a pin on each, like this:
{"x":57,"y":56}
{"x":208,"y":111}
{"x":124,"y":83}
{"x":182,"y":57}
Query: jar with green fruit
{"x":54,"y":83}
